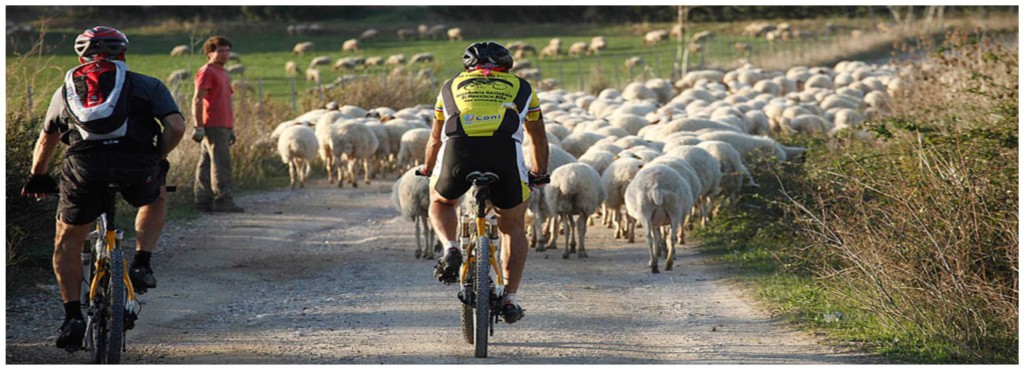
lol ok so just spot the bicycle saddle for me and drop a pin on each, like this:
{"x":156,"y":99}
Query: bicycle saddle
{"x":482,"y":178}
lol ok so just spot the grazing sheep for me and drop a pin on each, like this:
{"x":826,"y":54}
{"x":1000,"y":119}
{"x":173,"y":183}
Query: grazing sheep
{"x":577,"y":48}
{"x":423,"y":31}
{"x":553,"y":49}
{"x":368,"y":34}
{"x":454,"y":34}
{"x":735,"y":174}
{"x":235,"y":57}
{"x":575,"y":190}
{"x":633,"y":62}
{"x":807,"y":124}
{"x":291,"y":69}
{"x":358,"y":144}
{"x":693,"y":77}
{"x":878,"y":100}
{"x":178,"y":76}
{"x":179,"y":50}
{"x":344,"y":63}
{"x":410,"y":195}
{"x":313,"y":75}
{"x":322,"y":60}
{"x":406,"y":33}
{"x":597,"y":43}
{"x":413,"y":148}
{"x":421,"y":58}
{"x":374,"y":61}
{"x":755,"y":149}
{"x":659,"y":196}
{"x":700,"y":37}
{"x":395,"y":59}
{"x":235,"y":69}
{"x":297,"y":147}
{"x":654,"y":37}
{"x":351,"y":45}
{"x":615,"y":178}
{"x":437,"y":31}
{"x":303,"y":47}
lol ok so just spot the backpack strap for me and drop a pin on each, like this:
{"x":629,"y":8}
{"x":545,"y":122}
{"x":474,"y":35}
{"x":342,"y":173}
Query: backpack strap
{"x":452,"y":122}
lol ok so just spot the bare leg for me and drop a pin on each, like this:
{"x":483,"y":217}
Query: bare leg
{"x":513,"y":244}
{"x":443,"y":217}
{"x":67,"y":259}
{"x":149,"y":223}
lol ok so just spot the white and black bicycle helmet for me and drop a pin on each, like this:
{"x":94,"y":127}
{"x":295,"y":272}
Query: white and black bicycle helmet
{"x":488,"y":54}
{"x":101,"y":40}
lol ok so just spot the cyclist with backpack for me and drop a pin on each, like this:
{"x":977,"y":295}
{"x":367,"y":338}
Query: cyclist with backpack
{"x":119,"y":127}
{"x":480,"y":118}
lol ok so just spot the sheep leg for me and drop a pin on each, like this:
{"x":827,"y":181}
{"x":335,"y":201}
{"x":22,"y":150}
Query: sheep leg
{"x":352,"y":173}
{"x":671,"y":255}
{"x":419,"y":251}
{"x":631,"y":230}
{"x":552,"y":229}
{"x":305,"y":173}
{"x":651,"y":244}
{"x":566,"y":220}
{"x":570,"y":230}
{"x":617,"y":224}
{"x":291,"y":173}
{"x":581,"y":234}
{"x":366,"y":170}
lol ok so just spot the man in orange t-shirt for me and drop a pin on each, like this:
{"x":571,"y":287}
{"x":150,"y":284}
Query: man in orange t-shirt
{"x":215,"y":124}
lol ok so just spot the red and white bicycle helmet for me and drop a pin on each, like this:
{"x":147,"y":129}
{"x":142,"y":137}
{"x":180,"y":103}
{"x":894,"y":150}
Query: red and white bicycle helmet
{"x":101,"y":40}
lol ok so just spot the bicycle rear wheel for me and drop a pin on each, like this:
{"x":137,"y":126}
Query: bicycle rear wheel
{"x":482,"y":319}
{"x":116,"y":303}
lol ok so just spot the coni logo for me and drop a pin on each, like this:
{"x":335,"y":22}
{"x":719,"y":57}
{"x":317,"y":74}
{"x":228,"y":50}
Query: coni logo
{"x":472,"y":118}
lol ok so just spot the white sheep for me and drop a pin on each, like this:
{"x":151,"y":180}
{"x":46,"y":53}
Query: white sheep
{"x":577,"y":48}
{"x":709,"y":171}
{"x":328,"y":139}
{"x":410,"y":195}
{"x":755,"y":149}
{"x":178,"y":76}
{"x":297,"y":147}
{"x":395,"y":59}
{"x":597,"y":43}
{"x":454,"y":34}
{"x":322,"y":60}
{"x":577,"y":143}
{"x":652,"y":38}
{"x":535,"y":204}
{"x":413,"y":148}
{"x":368,"y":34}
{"x":303,"y":47}
{"x":575,"y":190}
{"x":421,"y":58}
{"x":806,"y":124}
{"x":597,"y":159}
{"x":291,"y":69}
{"x":351,"y":45}
{"x":615,"y":178}
{"x":358,"y":145}
{"x":179,"y":50}
{"x":313,"y":74}
{"x":553,"y":49}
{"x":735,"y":174}
{"x":638,"y":91}
{"x":659,"y":196}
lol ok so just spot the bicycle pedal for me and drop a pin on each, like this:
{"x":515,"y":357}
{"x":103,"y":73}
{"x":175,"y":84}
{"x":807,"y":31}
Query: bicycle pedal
{"x":129,"y":320}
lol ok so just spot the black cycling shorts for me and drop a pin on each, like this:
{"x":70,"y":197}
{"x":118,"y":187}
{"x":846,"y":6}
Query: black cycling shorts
{"x":83,"y":188}
{"x":500,"y":155}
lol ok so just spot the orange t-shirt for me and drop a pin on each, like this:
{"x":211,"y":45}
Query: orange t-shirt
{"x":217,"y":103}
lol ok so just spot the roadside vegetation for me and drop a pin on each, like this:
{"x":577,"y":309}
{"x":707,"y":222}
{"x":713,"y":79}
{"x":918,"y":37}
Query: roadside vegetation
{"x":907,"y":245}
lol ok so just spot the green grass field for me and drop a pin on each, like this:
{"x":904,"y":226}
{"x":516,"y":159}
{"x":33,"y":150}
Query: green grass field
{"x":265,"y":49}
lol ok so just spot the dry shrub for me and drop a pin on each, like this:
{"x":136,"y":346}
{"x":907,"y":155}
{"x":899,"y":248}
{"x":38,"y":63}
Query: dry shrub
{"x":398,"y":90}
{"x":598,"y":80}
{"x":922,"y":226}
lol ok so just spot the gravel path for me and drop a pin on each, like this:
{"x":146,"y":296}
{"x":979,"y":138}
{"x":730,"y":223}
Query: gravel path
{"x":327,"y":275}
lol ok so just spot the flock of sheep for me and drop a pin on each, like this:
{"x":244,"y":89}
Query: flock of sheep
{"x":656,"y":155}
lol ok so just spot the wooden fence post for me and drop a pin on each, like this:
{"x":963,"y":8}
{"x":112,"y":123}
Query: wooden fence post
{"x":295,"y":107}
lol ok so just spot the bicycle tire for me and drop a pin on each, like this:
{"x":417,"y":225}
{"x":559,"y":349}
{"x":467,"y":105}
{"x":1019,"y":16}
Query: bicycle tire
{"x":116,"y":290}
{"x":482,"y":318}
{"x":467,"y":323}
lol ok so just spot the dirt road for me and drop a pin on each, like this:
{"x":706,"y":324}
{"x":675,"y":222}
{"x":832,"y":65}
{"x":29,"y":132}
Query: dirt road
{"x":327,"y":275}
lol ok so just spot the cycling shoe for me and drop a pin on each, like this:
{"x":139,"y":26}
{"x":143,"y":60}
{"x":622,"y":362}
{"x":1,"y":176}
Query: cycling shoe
{"x":447,"y":268}
{"x":511,"y":312}
{"x":142,"y":279}
{"x":71,"y":334}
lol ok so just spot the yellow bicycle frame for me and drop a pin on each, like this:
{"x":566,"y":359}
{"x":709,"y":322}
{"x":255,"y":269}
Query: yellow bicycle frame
{"x":481,"y":232}
{"x":110,"y":238}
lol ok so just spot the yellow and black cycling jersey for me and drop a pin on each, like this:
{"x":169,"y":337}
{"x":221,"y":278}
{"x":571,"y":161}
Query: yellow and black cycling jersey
{"x":479,"y":104}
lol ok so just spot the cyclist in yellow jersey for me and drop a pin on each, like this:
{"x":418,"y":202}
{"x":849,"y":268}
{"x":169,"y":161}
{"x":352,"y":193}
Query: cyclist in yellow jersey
{"x":480,"y":119}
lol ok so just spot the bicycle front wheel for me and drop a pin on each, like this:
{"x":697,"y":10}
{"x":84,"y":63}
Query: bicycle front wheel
{"x":482,"y":320}
{"x":116,"y":294}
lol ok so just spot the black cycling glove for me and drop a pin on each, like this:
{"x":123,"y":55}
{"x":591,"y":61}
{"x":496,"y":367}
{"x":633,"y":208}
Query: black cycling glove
{"x":41,"y":184}
{"x":537,"y":179}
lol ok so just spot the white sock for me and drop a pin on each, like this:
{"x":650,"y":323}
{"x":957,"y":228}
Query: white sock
{"x":511,"y":298}
{"x":451,"y":244}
